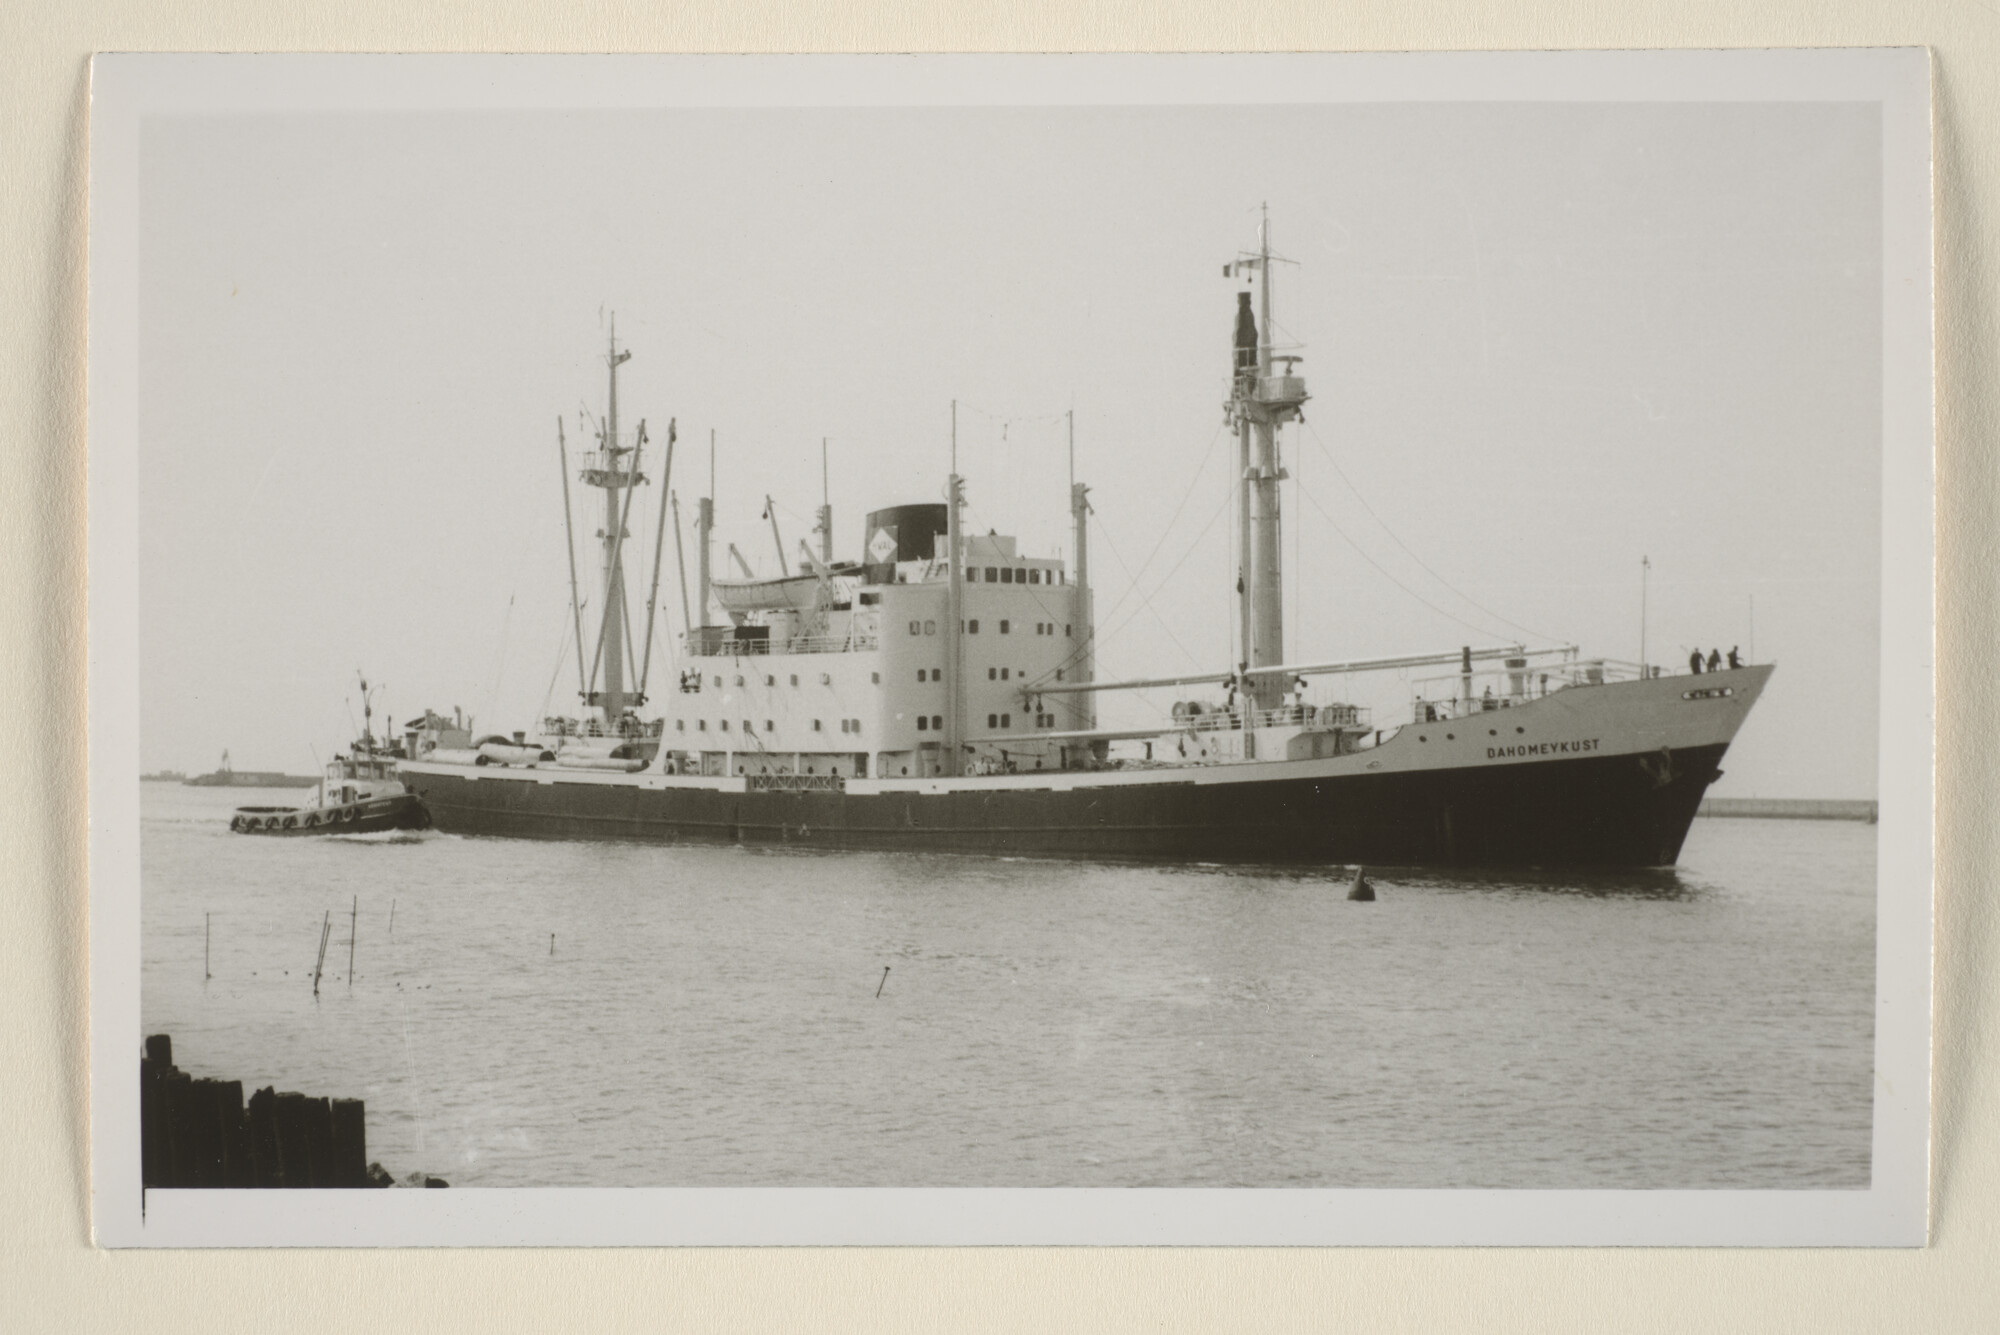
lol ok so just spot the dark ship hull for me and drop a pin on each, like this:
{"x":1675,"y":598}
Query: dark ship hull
{"x":1601,"y":776}
{"x":1603,"y":811}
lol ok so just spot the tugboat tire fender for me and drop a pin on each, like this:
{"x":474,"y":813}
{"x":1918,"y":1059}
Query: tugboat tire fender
{"x":291,"y":822}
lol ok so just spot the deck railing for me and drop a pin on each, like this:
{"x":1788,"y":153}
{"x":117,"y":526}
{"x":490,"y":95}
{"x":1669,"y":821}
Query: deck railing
{"x":729,"y":647}
{"x":1285,"y":716}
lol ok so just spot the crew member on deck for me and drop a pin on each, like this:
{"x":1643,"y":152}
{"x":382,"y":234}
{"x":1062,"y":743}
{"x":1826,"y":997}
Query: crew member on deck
{"x":1734,"y":660}
{"x":1694,"y":662}
{"x":1715,"y":660}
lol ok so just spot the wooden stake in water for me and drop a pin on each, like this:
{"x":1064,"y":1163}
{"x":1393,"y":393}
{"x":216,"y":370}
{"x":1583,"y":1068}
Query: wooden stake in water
{"x":205,"y":934}
{"x":392,"y":917}
{"x":353,"y":922}
{"x":884,"y":983}
{"x":325,"y":929}
{"x":552,"y":943}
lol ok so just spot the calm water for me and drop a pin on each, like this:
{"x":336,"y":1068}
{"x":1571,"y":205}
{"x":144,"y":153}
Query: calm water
{"x":709,"y":1016}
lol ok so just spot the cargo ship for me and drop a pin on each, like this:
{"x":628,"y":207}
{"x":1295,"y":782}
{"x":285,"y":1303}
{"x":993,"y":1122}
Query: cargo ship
{"x":225,"y":776}
{"x":938,"y":693}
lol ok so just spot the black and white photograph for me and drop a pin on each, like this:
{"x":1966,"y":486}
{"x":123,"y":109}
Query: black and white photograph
{"x":1033,"y":650}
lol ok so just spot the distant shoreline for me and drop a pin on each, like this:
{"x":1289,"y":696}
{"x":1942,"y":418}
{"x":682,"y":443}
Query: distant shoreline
{"x":1789,"y":808}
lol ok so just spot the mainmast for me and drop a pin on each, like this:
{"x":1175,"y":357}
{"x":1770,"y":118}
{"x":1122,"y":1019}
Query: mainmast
{"x":1084,"y":716}
{"x":1261,"y":401}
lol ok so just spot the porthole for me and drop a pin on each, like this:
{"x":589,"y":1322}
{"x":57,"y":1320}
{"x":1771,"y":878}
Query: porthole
{"x":1520,"y":730}
{"x":1422,"y":738}
{"x":1451,"y":737}
{"x":1492,"y":732}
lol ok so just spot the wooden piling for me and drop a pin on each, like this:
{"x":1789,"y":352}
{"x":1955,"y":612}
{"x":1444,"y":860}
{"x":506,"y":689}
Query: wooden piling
{"x":325,"y":929}
{"x":349,"y":1144}
{"x":200,"y":1133}
{"x":353,"y":925}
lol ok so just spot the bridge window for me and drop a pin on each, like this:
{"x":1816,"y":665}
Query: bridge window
{"x":1007,"y":574}
{"x":937,"y":723}
{"x":923,"y":674}
{"x":1003,"y":674}
{"x":769,"y":726}
{"x":747,"y":727}
{"x":930,"y":628}
{"x":1065,"y":632}
{"x":1034,"y":577}
{"x":992,"y":674}
{"x":680,"y":725}
{"x":718,"y":683}
{"x":723,"y":724}
{"x":1003,"y":627}
{"x":739,"y":679}
{"x":815,"y":725}
{"x":992,"y":575}
{"x":992,"y":720}
{"x":916,"y":628}
{"x":923,"y":722}
{"x":702,"y":726}
{"x":874,"y":679}
{"x":770,"y":680}
{"x":795,"y":679}
{"x":1006,"y":720}
{"x":972,"y":574}
{"x":972,"y":626}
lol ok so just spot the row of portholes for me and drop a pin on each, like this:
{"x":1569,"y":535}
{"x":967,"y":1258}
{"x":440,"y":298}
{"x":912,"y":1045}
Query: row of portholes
{"x":1452,"y":736}
{"x":825,"y":678}
{"x":722,"y":725}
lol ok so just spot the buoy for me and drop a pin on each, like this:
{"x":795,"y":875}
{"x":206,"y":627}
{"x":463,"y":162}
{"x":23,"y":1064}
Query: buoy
{"x":1360,"y":889}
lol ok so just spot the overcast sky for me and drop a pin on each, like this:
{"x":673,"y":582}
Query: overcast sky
{"x":1542,"y":341}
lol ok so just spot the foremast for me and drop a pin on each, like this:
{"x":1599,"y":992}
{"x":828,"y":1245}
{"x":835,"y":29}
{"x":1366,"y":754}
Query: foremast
{"x":614,"y":470}
{"x":1261,"y":399}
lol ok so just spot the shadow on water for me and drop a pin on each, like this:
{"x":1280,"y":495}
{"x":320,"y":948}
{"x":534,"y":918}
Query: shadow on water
{"x":1641,"y":883}
{"x":1638,"y":883}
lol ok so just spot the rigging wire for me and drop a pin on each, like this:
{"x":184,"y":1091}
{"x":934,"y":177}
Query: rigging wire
{"x":1146,"y":601}
{"x":562,"y":653}
{"x":1095,"y":638}
{"x":1532,"y":634}
{"x":1483,"y":630}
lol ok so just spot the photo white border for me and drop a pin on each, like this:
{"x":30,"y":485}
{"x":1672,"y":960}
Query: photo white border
{"x":1891,"y":1212}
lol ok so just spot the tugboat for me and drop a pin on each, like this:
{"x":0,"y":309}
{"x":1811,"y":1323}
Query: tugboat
{"x":359,"y":793}
{"x":937,"y":695}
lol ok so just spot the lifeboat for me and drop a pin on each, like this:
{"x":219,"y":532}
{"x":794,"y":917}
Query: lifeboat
{"x":794,"y":593}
